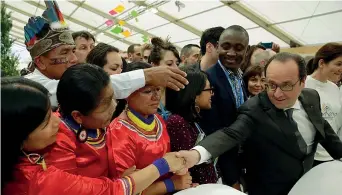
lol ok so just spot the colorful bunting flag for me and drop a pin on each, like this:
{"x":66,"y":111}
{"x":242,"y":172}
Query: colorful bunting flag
{"x":121,"y":22}
{"x":145,"y":38}
{"x":116,"y":30}
{"x":126,"y":33}
{"x":112,"y":12}
{"x":109,"y":23}
{"x":134,"y":14}
{"x":117,"y":9}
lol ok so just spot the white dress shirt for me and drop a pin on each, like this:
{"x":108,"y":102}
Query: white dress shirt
{"x":305,"y":127}
{"x":124,"y":84}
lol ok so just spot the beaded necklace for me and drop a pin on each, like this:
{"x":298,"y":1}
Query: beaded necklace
{"x":147,"y":124}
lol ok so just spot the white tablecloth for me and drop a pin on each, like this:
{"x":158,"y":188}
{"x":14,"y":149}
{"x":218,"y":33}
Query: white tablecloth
{"x":210,"y":189}
{"x":324,"y":179}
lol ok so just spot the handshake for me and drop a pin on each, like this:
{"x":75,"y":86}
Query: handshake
{"x":180,"y":162}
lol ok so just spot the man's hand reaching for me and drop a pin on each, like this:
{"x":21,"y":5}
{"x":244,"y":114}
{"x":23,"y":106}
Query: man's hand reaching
{"x":166,"y":77}
{"x":191,"y":157}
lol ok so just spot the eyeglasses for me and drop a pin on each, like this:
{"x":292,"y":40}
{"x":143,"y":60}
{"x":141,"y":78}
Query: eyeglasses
{"x":283,"y":87}
{"x":211,"y":90}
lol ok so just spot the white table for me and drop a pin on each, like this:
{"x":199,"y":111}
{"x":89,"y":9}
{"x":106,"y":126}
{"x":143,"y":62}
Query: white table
{"x":324,"y":179}
{"x":210,"y":189}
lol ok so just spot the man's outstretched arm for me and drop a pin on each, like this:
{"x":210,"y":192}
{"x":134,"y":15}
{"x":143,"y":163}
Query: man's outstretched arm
{"x":219,"y":142}
{"x":126,"y":83}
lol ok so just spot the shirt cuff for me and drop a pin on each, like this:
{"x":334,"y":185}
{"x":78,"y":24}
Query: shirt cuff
{"x":138,"y":76}
{"x":126,"y":83}
{"x":205,"y":156}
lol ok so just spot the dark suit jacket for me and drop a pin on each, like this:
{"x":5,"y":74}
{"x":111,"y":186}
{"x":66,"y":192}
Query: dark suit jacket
{"x":223,"y":113}
{"x":274,"y":161}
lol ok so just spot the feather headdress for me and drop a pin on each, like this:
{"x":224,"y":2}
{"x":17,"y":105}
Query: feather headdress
{"x":52,"y":18}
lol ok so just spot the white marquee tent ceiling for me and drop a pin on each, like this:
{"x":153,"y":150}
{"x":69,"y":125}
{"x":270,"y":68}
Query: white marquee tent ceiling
{"x":300,"y":22}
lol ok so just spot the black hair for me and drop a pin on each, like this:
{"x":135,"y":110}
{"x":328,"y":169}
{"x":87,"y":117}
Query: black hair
{"x":237,"y":28}
{"x":124,"y":65}
{"x":84,"y":34}
{"x":211,"y":35}
{"x":80,"y":88}
{"x":327,"y":53}
{"x":122,"y":102}
{"x":284,"y":57}
{"x":183,"y":102}
{"x":98,"y":55}
{"x":159,"y":46}
{"x":187,"y":49}
{"x":24,"y":106}
{"x":137,"y":66}
{"x":131,"y":48}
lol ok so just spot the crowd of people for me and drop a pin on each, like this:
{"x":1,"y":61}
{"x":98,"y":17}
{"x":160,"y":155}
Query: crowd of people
{"x":87,"y":118}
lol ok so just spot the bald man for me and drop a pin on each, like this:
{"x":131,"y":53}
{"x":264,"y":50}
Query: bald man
{"x":262,"y":57}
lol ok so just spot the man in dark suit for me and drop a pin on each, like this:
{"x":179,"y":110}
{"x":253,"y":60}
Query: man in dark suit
{"x":281,"y":128}
{"x":229,"y":94}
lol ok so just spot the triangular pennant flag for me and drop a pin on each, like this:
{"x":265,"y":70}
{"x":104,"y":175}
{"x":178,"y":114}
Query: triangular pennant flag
{"x":121,"y":22}
{"x":126,"y":33}
{"x":109,"y":23}
{"x":116,"y":30}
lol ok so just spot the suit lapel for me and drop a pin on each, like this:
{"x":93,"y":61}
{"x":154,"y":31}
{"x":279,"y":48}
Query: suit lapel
{"x":224,"y":82}
{"x":283,"y":135}
{"x":244,"y":88}
{"x":314,"y":116}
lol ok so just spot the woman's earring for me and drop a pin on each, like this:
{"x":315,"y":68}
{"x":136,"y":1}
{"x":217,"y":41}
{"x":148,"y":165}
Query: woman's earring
{"x":197,"y":108}
{"x":82,"y":134}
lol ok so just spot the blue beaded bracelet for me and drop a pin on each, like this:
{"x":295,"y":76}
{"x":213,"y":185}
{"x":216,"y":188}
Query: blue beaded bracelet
{"x":162,"y":166}
{"x":170,"y":187}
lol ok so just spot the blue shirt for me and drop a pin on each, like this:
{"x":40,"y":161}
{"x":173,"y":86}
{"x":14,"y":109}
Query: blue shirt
{"x":235,"y":81}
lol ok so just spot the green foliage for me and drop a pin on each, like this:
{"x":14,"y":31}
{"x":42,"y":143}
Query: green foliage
{"x":9,"y":62}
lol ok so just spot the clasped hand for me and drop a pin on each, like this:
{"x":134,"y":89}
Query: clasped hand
{"x":181,"y":161}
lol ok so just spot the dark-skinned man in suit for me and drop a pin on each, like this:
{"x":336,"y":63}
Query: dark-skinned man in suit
{"x":229,"y":94}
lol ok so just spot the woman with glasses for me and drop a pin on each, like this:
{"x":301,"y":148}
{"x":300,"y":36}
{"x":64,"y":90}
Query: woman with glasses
{"x":325,"y":71}
{"x":33,"y":130}
{"x":140,"y":137}
{"x":185,"y":106}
